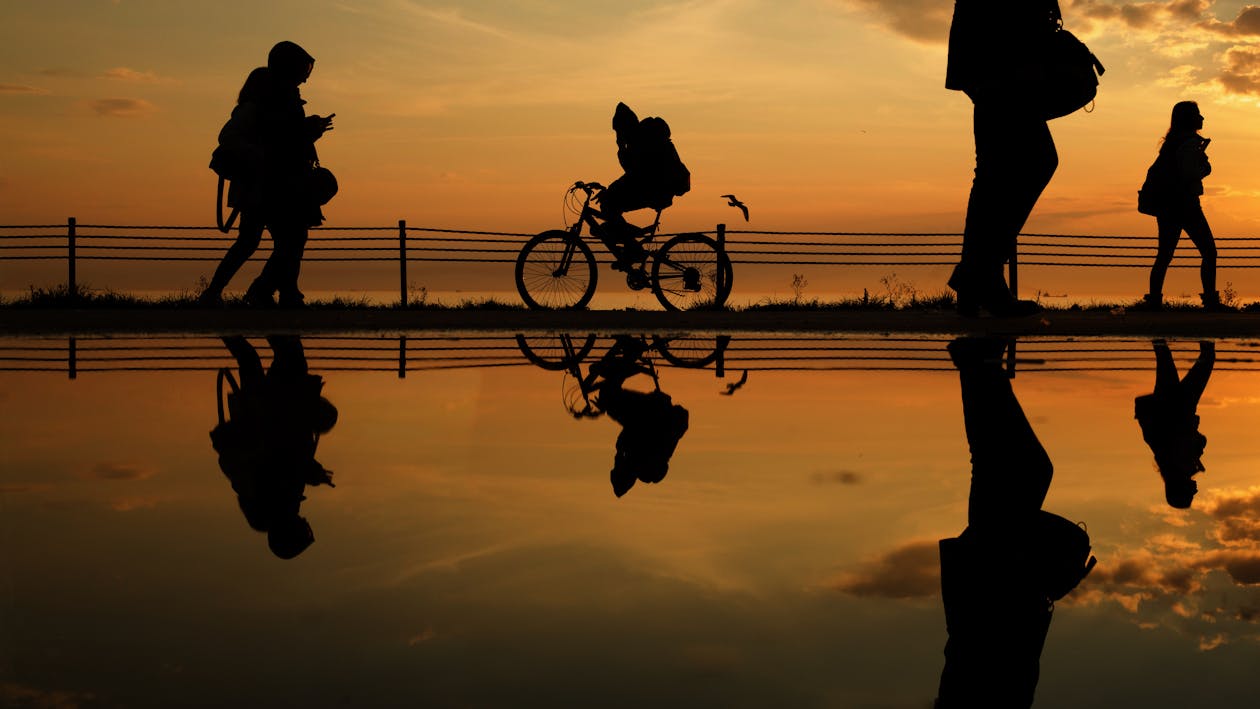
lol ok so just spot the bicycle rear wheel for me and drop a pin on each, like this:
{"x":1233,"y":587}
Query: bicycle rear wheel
{"x":685,"y":273}
{"x":556,"y":270}
{"x":691,"y":351}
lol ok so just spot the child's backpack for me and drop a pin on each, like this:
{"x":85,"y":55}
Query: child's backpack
{"x":675,"y":176}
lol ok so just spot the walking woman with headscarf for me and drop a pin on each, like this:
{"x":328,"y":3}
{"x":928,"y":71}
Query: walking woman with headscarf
{"x":1184,"y":165}
{"x":994,"y":57}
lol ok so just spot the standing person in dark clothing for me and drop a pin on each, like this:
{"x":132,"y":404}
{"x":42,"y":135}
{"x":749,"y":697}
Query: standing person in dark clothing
{"x":290,"y":206}
{"x":243,"y":132}
{"x":995,"y":47}
{"x":1001,"y":576}
{"x":1170,"y":425}
{"x":266,"y":442}
{"x":1185,"y":164}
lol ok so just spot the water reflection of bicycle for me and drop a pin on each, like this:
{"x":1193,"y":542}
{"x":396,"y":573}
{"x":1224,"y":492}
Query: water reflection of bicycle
{"x":628,"y":356}
{"x":557,"y":268}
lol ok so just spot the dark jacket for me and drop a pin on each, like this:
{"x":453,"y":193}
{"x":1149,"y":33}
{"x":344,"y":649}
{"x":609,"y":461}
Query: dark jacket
{"x":288,"y":155}
{"x":1187,"y":162}
{"x":996,"y":45}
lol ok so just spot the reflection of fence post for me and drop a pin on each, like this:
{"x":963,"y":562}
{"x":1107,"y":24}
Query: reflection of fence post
{"x":721,"y":272}
{"x":1014,"y":272}
{"x":72,"y":359}
{"x":71,"y":283}
{"x":402,"y":357}
{"x":402,"y":263}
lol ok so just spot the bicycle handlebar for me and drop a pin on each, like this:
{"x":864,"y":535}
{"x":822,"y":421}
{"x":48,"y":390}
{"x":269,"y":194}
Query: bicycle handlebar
{"x":588,"y":187}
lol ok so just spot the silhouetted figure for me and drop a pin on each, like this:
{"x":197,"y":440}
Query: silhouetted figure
{"x":1184,"y":164}
{"x":244,"y":133}
{"x":1170,"y":425}
{"x":266,"y":442}
{"x":654,"y":175}
{"x":1001,"y":576}
{"x":994,"y":51}
{"x":288,"y":204}
{"x":651,"y":423}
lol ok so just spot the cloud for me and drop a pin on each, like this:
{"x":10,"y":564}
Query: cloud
{"x":919,"y":20}
{"x":1241,"y":73}
{"x":911,"y":571}
{"x":121,"y":107}
{"x":120,"y":471}
{"x":837,"y":477}
{"x":21,"y":89}
{"x":122,"y":73}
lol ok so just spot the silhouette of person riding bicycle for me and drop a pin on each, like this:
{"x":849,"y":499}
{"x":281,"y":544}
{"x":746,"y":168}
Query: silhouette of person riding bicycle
{"x":557,"y":269}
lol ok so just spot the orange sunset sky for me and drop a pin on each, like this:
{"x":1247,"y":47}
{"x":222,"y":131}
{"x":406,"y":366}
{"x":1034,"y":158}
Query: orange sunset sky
{"x":820,"y":114}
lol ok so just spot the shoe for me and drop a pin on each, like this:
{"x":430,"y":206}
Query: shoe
{"x":210,"y":298}
{"x":1212,"y":302}
{"x":1150,"y":302}
{"x":255,"y":298}
{"x":292,"y":300}
{"x":994,"y":297}
{"x":970,"y":352}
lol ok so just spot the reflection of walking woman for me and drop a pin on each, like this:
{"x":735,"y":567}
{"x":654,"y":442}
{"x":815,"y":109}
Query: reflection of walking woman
{"x":1170,"y":425}
{"x":993,"y":50}
{"x":1185,"y":165}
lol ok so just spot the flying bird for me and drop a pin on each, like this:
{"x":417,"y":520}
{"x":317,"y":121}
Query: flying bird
{"x":731,"y":388}
{"x":734,"y":202}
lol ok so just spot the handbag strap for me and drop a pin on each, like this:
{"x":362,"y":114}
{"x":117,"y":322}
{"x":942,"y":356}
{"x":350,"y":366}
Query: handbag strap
{"x":224,"y":227}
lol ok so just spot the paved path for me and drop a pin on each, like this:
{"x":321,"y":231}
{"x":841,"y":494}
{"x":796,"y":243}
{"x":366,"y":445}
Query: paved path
{"x":1181,"y":323}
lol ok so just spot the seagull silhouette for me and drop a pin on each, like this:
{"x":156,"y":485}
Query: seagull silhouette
{"x":734,"y":202}
{"x":731,"y":388}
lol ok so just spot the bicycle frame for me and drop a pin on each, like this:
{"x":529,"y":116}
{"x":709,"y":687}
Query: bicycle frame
{"x":594,"y":220}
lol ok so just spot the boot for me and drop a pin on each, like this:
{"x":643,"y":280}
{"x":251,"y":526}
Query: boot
{"x":1212,"y":301}
{"x":1150,"y":301}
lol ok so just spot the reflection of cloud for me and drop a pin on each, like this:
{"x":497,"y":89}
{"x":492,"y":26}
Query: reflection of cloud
{"x":120,"y":471}
{"x":138,"y":502}
{"x":837,"y":477}
{"x":121,"y":107}
{"x":21,"y":89}
{"x":13,"y":694}
{"x":911,"y":571}
{"x":423,"y":636}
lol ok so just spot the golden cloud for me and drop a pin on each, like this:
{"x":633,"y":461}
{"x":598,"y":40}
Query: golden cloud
{"x":121,"y":107}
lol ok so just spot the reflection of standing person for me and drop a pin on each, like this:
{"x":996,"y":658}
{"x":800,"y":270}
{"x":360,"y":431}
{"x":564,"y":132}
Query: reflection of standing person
{"x":1170,"y":425}
{"x":243,"y":133}
{"x":994,"y":49}
{"x":1185,"y":164}
{"x":1001,"y":576}
{"x":290,"y":205}
{"x":266,"y":443}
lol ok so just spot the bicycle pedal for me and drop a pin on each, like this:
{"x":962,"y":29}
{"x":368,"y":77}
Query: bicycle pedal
{"x":637,"y":279}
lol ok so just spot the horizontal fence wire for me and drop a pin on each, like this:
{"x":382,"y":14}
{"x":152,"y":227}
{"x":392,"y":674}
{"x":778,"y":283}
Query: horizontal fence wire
{"x":725,"y":357}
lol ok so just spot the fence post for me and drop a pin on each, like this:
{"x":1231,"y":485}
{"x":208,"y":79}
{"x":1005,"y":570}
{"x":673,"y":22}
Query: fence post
{"x":71,"y":282}
{"x":72,"y":359}
{"x":721,"y":272}
{"x":402,"y":357}
{"x":1013,"y":269}
{"x":402,"y":263}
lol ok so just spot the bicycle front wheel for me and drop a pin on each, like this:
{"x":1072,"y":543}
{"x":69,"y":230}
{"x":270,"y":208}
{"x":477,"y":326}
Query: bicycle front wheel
{"x":556,"y":270}
{"x":685,"y":273}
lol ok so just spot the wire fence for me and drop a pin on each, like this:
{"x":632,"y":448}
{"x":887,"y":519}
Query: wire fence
{"x":721,"y":356}
{"x":401,"y":244}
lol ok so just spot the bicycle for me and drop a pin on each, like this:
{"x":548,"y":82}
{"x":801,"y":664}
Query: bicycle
{"x":557,"y":269}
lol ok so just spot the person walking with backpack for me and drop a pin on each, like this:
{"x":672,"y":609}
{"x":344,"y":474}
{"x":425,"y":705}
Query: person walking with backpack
{"x":994,"y":49}
{"x":1179,"y":170}
{"x":290,"y":205}
{"x":240,"y":143}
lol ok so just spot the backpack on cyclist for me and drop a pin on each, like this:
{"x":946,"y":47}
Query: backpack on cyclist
{"x":645,"y":145}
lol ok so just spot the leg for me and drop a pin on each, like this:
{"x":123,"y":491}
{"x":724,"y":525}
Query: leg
{"x":1169,"y":234}
{"x":1166,"y":379}
{"x":1015,"y":159}
{"x":1010,"y":470}
{"x":248,"y":237}
{"x":625,"y":194}
{"x":290,"y":244}
{"x":1196,"y":379}
{"x":1200,"y":234}
{"x":288,"y":358}
{"x":247,"y":361}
